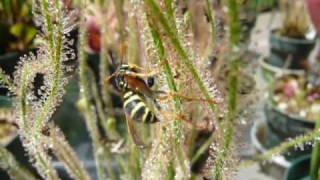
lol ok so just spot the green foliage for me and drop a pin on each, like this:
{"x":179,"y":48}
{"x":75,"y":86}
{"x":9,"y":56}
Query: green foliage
{"x":154,"y":9}
{"x":315,"y":157}
{"x":16,"y":25}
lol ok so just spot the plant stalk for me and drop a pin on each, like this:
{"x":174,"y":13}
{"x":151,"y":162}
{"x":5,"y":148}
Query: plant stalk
{"x":155,"y":10}
{"x":284,"y":147}
{"x":56,"y":61}
{"x":315,"y":157}
{"x":14,"y":168}
{"x":232,"y":93}
{"x":88,"y":109}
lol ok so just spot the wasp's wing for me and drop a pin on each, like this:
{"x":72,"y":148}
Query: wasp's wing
{"x":138,"y":85}
{"x":137,"y":141}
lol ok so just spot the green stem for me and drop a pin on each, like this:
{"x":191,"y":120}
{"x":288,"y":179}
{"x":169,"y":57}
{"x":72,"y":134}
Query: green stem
{"x":232,"y":93}
{"x":66,"y":155}
{"x":170,"y":14}
{"x":35,"y":148}
{"x":177,"y":128}
{"x":13,"y":168}
{"x":211,"y":20}
{"x":166,"y":67}
{"x":234,"y":25}
{"x":228,"y":135}
{"x":42,"y":159}
{"x":88,"y":109}
{"x":120,"y":17}
{"x":155,"y":10}
{"x":104,"y":70}
{"x":48,"y":25}
{"x":23,"y":98}
{"x":284,"y":147}
{"x":56,"y":62}
{"x":169,"y":76}
{"x":315,"y":158}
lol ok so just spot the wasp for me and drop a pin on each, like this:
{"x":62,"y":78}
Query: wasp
{"x":135,"y":87}
{"x":136,"y":90}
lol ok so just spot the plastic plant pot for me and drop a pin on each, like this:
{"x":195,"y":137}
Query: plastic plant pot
{"x":270,"y":71}
{"x":290,"y":52}
{"x":262,"y":140}
{"x":299,"y":169}
{"x":286,"y":125}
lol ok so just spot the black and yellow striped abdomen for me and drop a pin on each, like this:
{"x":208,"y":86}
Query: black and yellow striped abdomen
{"x":136,"y":108}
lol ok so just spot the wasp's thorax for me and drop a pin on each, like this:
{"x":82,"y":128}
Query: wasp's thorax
{"x":124,"y":72}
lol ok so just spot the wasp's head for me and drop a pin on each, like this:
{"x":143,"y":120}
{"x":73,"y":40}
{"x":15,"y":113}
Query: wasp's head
{"x":121,"y":84}
{"x":120,"y":81}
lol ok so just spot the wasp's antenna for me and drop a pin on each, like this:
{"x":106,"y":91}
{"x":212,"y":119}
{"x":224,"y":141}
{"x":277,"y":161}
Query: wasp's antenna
{"x":112,"y":58}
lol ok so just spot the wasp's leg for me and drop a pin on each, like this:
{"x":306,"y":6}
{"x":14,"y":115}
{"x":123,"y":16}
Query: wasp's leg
{"x":199,"y":125}
{"x":170,"y":95}
{"x":144,"y":74}
{"x":136,"y":67}
{"x":116,"y":146}
{"x":204,"y":125}
{"x":141,"y":69}
{"x":107,"y":79}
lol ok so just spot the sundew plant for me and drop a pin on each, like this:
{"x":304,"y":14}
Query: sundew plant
{"x":193,"y":51}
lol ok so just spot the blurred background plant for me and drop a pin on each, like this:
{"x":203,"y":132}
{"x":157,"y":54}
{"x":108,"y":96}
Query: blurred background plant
{"x":297,"y":96}
{"x":16,"y":25}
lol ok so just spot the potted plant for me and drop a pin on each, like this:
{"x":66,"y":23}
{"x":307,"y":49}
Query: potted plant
{"x":293,"y":106}
{"x":292,"y":42}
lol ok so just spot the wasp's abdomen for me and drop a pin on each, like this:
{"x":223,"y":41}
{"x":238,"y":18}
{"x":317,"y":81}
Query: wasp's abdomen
{"x":137,"y":109}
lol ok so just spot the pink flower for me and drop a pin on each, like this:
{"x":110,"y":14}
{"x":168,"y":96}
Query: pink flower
{"x":290,"y":89}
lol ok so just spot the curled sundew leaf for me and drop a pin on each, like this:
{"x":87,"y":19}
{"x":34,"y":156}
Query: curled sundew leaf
{"x":34,"y":110}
